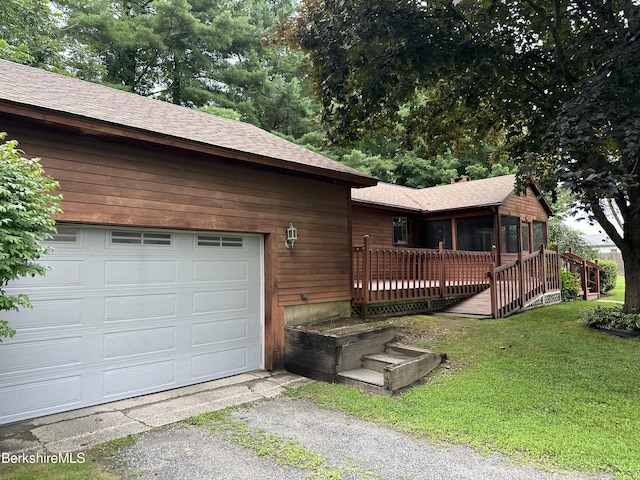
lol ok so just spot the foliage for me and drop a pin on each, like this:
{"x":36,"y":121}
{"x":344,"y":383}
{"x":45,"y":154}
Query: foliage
{"x":565,"y":237}
{"x":195,"y":53}
{"x":555,"y":82}
{"x":26,"y":210}
{"x":611,"y":317}
{"x":608,"y":275}
{"x":538,"y":386}
{"x":570,"y":286}
{"x":28,"y":33}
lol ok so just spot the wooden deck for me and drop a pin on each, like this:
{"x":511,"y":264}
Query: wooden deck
{"x":383,"y":277}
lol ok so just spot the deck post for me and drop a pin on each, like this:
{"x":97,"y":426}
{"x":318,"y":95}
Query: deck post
{"x":520,"y":280}
{"x":543,"y":269}
{"x":443,"y":276}
{"x":584,"y":279}
{"x":597,"y":278}
{"x":366,"y":262}
{"x":492,"y":290}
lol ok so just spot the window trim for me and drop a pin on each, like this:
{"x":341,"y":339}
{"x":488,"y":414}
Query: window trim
{"x":401,"y":231}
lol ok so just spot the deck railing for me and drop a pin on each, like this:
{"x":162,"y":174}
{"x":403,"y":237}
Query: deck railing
{"x":385,"y":275}
{"x":516,"y":284}
{"x":391,"y":274}
{"x":587,"y":271}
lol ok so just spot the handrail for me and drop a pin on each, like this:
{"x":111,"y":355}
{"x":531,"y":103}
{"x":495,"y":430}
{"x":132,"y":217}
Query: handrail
{"x":516,"y":284}
{"x":383,"y":274}
{"x":588,"y":272}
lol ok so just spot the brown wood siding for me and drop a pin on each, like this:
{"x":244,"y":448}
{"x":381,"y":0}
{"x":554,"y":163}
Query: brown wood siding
{"x":105,"y":183}
{"x":527,"y":207}
{"x":378,"y":224}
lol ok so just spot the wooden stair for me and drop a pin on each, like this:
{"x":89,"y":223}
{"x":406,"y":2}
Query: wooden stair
{"x":396,"y":367}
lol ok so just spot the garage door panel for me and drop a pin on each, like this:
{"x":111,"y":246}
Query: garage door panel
{"x":210,"y":365}
{"x":137,"y":342}
{"x":141,"y":378}
{"x":31,"y":399}
{"x":140,"y":273}
{"x":226,"y":271}
{"x":114,"y":321}
{"x":63,"y":273}
{"x":47,"y":314}
{"x":30,"y":357}
{"x":120,"y":308}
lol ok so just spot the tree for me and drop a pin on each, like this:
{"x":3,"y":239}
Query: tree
{"x":29,"y":34}
{"x":555,"y":80}
{"x":196,"y":53}
{"x":26,"y":219}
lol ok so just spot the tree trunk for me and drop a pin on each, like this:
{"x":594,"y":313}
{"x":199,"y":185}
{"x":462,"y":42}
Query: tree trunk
{"x":631,"y":258}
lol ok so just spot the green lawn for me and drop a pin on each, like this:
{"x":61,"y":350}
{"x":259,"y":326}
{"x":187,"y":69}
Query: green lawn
{"x":617,"y":293}
{"x":539,"y":386}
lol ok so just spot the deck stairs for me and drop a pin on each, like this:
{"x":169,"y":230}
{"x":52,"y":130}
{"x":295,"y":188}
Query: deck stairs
{"x":395,"y":367}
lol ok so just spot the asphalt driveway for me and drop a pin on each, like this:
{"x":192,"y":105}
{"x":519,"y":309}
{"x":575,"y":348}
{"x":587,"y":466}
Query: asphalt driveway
{"x":314,"y":443}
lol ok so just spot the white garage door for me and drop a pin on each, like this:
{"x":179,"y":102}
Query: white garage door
{"x":127,"y":312}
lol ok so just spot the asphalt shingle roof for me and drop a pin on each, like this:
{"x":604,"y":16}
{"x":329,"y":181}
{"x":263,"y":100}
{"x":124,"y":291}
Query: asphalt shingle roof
{"x":36,"y":88}
{"x":460,"y":195}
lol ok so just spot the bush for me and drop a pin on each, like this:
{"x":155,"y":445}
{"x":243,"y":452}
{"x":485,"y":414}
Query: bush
{"x":570,"y":286}
{"x":26,"y":219}
{"x":608,"y":275}
{"x":611,"y":317}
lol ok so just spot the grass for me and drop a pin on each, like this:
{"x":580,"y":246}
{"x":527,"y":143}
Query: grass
{"x":285,"y":452}
{"x":616,"y":294}
{"x":55,"y":471}
{"x":540,"y":387}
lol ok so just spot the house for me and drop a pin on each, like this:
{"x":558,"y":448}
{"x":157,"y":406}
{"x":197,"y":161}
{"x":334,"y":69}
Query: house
{"x":469,"y":215}
{"x":428,"y":249}
{"x":176,"y":259}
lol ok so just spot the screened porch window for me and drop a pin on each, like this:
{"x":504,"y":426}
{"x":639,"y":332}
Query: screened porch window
{"x":510,"y":233}
{"x":525,"y":237}
{"x":401,"y":230}
{"x":539,"y":234}
{"x":475,"y":233}
{"x":434,"y":232}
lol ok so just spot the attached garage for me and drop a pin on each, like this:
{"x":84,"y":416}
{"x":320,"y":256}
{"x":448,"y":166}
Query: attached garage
{"x":125,"y":312}
{"x":171,"y":266}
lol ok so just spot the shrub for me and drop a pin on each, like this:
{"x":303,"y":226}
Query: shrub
{"x":611,"y":317}
{"x":26,"y":219}
{"x":608,"y":275}
{"x":570,"y":286}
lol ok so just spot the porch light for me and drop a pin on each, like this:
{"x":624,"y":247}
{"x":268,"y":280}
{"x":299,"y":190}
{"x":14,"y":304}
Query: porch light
{"x":292,"y":236}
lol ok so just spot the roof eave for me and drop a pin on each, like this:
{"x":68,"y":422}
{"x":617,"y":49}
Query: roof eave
{"x":108,"y":129}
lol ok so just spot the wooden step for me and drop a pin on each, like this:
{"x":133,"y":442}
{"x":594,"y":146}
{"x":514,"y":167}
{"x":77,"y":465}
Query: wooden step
{"x":378,"y":361}
{"x":364,"y":379}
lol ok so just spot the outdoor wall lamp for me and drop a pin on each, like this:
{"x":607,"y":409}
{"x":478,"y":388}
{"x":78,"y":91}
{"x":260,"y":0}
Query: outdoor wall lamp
{"x":292,"y":236}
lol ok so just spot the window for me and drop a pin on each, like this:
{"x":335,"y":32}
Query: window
{"x":64,"y":235}
{"x":510,"y":233}
{"x":219,"y":241}
{"x":127,"y":237}
{"x":475,"y":233}
{"x":539,"y":234}
{"x":434,"y":232}
{"x":401,"y":230}
{"x":525,"y":237}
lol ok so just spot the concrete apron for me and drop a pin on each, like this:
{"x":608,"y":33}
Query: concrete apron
{"x":84,"y":428}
